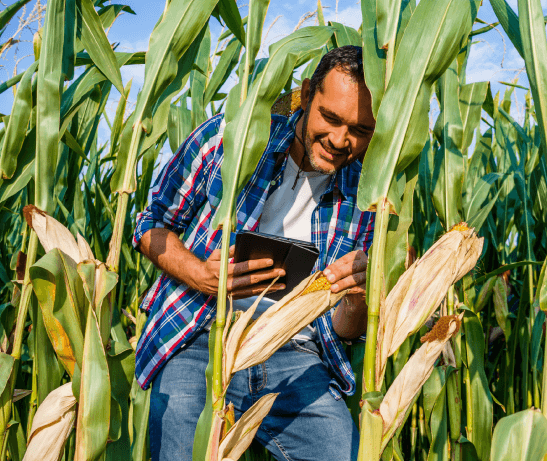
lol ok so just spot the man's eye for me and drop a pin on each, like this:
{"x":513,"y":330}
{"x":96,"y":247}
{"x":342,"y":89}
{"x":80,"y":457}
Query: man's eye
{"x":330,"y":119}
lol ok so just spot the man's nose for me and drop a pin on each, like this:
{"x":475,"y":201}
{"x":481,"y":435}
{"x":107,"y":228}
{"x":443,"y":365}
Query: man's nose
{"x":338,"y":138}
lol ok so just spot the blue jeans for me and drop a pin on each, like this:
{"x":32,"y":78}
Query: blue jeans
{"x":305,"y":422}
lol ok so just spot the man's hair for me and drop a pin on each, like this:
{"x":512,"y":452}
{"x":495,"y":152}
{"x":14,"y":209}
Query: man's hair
{"x":348,"y":59}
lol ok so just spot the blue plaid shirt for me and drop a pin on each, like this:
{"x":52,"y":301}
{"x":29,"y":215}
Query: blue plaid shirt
{"x":184,"y":199}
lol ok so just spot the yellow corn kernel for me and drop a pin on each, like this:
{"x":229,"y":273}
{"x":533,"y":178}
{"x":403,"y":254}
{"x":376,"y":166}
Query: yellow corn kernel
{"x":320,"y":283}
{"x":460,"y":227}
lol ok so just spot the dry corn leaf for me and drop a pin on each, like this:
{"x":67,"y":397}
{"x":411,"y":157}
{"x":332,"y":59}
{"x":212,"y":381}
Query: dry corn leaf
{"x":233,"y":338}
{"x":281,"y":321}
{"x":52,"y":234}
{"x":240,"y":436}
{"x":51,"y":426}
{"x":422,"y":288}
{"x":414,"y":374}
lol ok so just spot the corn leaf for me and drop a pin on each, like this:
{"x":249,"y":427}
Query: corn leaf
{"x":387,"y":18}
{"x":93,"y":421}
{"x":246,"y":135}
{"x":228,"y":61}
{"x":18,"y":124}
{"x":229,"y":12}
{"x":520,"y":437}
{"x":402,"y":123}
{"x":374,"y":57}
{"x":481,"y":398}
{"x":96,"y":43}
{"x":345,"y":35}
{"x":198,"y":80}
{"x":60,"y":294}
{"x":10,"y":11}
{"x":49,"y":90}
{"x":471,"y":99}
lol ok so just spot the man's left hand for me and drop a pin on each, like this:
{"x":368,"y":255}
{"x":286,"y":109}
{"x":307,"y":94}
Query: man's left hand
{"x":349,"y":272}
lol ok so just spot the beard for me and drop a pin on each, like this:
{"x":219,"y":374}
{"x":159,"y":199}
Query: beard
{"x":308,"y":148}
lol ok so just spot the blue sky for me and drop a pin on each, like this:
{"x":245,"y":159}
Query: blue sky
{"x":492,"y":58}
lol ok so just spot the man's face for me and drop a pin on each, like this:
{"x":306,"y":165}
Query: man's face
{"x":338,"y":122}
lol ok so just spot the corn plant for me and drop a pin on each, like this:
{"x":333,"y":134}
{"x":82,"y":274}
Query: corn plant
{"x":473,"y":387}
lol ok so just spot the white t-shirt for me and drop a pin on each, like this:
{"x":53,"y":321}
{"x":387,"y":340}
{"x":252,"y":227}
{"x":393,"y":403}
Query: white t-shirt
{"x":288,"y":213}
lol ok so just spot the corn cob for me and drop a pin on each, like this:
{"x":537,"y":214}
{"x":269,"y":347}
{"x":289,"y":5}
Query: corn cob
{"x":320,"y":283}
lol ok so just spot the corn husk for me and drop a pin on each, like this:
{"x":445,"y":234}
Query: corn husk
{"x":242,"y":433}
{"x":52,"y":234}
{"x":52,"y":425}
{"x":421,"y":289}
{"x":275,"y":327}
{"x":414,"y":374}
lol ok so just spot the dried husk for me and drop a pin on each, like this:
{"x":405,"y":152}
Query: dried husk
{"x":279,"y":324}
{"x":421,"y":289}
{"x":52,"y":234}
{"x":414,"y":374}
{"x":51,"y":426}
{"x":241,"y":434}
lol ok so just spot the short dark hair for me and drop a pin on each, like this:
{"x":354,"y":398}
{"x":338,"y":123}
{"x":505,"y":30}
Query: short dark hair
{"x":348,"y":59}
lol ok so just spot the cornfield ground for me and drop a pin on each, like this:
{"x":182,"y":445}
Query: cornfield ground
{"x":69,"y":317}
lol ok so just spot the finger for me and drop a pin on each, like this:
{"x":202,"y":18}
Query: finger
{"x":350,"y":281}
{"x":248,"y":266}
{"x":254,"y":278}
{"x":256,"y":290}
{"x":232,"y":251}
{"x":351,"y":263}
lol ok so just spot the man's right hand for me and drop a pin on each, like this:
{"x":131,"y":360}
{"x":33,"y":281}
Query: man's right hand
{"x":242,"y":281}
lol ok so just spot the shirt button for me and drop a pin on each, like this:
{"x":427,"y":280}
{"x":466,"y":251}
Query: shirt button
{"x":208,"y":316}
{"x":272,"y":182}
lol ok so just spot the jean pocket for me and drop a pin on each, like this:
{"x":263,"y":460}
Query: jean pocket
{"x":307,"y":347}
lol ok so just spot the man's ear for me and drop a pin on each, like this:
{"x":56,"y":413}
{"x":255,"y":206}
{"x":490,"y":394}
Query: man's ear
{"x":305,"y":93}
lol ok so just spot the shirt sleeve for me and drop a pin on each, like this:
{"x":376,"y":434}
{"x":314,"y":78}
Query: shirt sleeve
{"x":180,"y":189}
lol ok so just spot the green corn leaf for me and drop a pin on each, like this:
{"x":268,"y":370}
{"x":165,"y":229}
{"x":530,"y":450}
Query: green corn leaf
{"x":374,"y":58}
{"x":17,"y":125}
{"x":25,"y":170}
{"x":48,"y":370}
{"x":170,"y":39}
{"x":532,"y":29}
{"x":520,"y":437}
{"x":226,"y":64}
{"x":229,"y":12}
{"x":9,"y":12}
{"x":434,"y":395}
{"x":203,"y":428}
{"x":117,"y":124}
{"x":345,"y":35}
{"x":402,"y":124}
{"x":480,"y":193}
{"x":471,"y":99}
{"x":50,"y":78}
{"x":6,"y":362}
{"x":397,"y":236}
{"x":96,"y":43}
{"x":246,"y":135}
{"x":481,"y":398}
{"x":109,"y":13}
{"x":179,"y":125}
{"x":198,"y":81}
{"x":509,"y":21}
{"x":320,"y":17}
{"x":92,"y":426}
{"x":387,"y":18}
{"x":448,"y":164}
{"x":60,"y":294}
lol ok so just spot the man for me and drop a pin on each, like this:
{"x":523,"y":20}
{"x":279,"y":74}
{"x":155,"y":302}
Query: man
{"x":304,"y":187}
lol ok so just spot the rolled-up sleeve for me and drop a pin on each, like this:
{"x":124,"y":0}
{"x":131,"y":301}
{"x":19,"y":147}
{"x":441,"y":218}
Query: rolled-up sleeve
{"x":180,"y":189}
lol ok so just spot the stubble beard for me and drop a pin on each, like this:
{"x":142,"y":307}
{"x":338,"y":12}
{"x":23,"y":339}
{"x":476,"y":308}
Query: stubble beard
{"x":308,"y":147}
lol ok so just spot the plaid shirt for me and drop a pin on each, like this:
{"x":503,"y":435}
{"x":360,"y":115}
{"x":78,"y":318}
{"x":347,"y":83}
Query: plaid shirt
{"x":184,"y":199}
